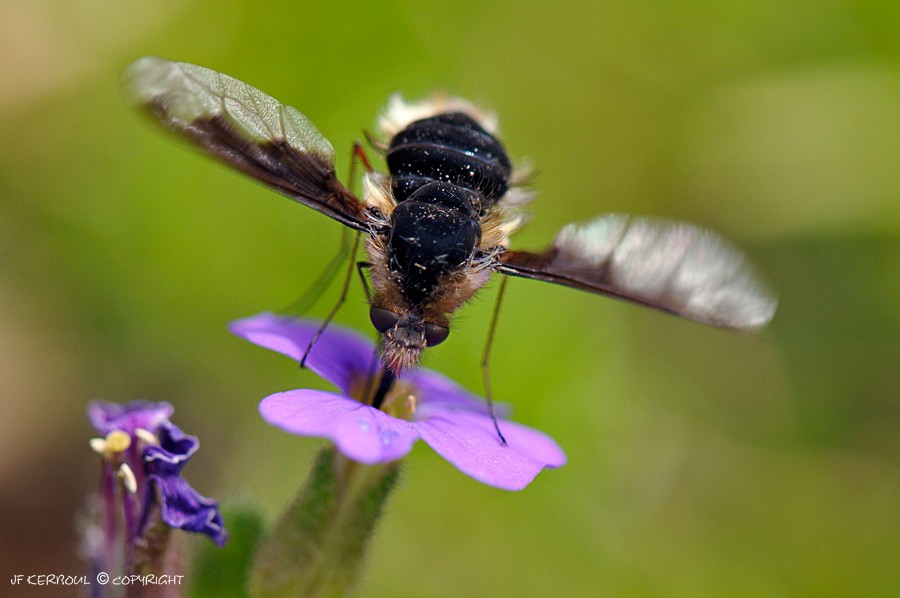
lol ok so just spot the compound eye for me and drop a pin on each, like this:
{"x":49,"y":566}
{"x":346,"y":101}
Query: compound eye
{"x":435,"y":335}
{"x":383,"y":319}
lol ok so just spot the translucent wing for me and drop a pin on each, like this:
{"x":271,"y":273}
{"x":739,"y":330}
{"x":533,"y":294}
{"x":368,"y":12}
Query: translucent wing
{"x":245,"y":128}
{"x":671,"y":266}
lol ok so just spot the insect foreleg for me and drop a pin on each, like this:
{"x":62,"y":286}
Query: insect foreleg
{"x":485,"y":359}
{"x":343,"y":296}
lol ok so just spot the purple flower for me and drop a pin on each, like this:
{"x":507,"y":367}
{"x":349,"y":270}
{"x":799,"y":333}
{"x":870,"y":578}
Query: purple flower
{"x":420,"y":405}
{"x":180,"y":505}
{"x":143,"y":456}
{"x":109,"y":417}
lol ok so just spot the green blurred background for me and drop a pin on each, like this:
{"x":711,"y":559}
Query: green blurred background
{"x":701,"y":462}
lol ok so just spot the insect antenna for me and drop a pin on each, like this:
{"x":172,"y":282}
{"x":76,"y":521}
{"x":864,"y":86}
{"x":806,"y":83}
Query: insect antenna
{"x":485,"y":359}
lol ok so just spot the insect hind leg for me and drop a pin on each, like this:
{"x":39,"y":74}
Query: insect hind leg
{"x":358,"y":156}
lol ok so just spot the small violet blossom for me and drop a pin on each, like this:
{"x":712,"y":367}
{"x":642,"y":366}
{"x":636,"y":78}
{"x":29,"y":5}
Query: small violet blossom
{"x":143,"y":456}
{"x":420,"y":405}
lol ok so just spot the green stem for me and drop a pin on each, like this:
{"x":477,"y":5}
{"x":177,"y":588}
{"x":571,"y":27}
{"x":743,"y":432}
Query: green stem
{"x":316,"y":548}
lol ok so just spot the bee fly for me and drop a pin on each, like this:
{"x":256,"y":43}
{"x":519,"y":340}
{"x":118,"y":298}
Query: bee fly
{"x":439,"y":223}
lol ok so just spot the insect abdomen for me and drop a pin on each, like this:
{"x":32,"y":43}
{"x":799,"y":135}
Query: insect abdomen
{"x":451,"y":148}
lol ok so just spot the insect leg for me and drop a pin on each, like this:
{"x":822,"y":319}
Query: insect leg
{"x":362,"y":277}
{"x":309,"y":298}
{"x":358,"y":156}
{"x":323,"y":281}
{"x":337,"y":306}
{"x":485,"y":359}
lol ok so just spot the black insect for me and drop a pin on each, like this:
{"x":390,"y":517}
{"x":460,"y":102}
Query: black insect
{"x":439,"y":223}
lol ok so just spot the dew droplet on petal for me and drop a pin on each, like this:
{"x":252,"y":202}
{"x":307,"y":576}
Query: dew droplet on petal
{"x":363,"y":425}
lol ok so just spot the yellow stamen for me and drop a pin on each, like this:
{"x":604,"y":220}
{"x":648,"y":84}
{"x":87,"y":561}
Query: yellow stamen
{"x":118,"y":441}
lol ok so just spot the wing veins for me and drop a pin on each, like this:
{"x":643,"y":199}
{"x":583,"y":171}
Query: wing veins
{"x":247,"y":129}
{"x":672,"y":267}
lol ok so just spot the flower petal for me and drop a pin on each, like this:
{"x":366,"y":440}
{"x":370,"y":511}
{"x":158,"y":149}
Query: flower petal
{"x":453,"y":421}
{"x":109,"y":417}
{"x":470,"y":443}
{"x":437,"y":392}
{"x":361,"y":432}
{"x":174,"y":450}
{"x":183,"y":508}
{"x":339,"y":356}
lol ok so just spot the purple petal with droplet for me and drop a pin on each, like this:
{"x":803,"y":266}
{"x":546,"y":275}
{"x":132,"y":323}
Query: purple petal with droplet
{"x":361,"y":432}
